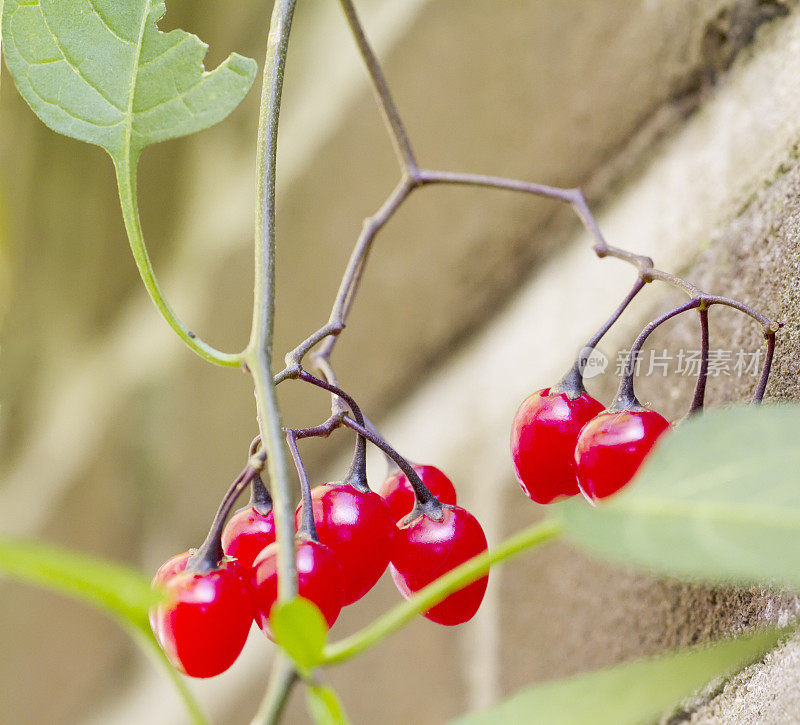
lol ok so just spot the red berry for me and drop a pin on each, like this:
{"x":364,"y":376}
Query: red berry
{"x":203,"y":622}
{"x":398,"y":494}
{"x":358,"y":527}
{"x":247,"y":533}
{"x":543,"y":438}
{"x":424,"y":549}
{"x":319,"y":579}
{"x":612,"y":446}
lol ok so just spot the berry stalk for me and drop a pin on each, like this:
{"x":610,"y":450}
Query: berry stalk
{"x":426,"y":502}
{"x":307,"y":528}
{"x":357,"y":475}
{"x":210,"y":553}
{"x":625,"y":398}
{"x":424,"y":496}
{"x":700,"y":388}
{"x":572,"y":383}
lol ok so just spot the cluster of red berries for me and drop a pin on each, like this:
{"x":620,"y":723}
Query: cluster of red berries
{"x":211,"y":600}
{"x":564,"y":442}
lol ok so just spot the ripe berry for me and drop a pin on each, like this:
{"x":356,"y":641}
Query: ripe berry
{"x":247,"y":533}
{"x":319,"y":579}
{"x":543,"y":438}
{"x":424,"y":549}
{"x":612,"y":446}
{"x":358,"y":527}
{"x":203,"y":622}
{"x":399,"y":495}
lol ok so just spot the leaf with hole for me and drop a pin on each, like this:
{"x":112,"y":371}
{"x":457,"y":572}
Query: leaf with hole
{"x":631,"y":693}
{"x":324,"y":706}
{"x":102,"y":72}
{"x":300,"y":628}
{"x":717,"y":502}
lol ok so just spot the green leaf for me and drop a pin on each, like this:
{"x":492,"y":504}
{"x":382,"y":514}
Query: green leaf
{"x":631,"y":693}
{"x":117,"y":590}
{"x":120,"y":591}
{"x":324,"y":706}
{"x":718,"y":502}
{"x":300,"y":628}
{"x":102,"y":72}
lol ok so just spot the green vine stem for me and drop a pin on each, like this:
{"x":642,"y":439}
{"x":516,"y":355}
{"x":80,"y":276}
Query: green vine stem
{"x":126,"y":184}
{"x":425,"y":598}
{"x":143,"y":637}
{"x":275,"y":698}
{"x":258,"y":355}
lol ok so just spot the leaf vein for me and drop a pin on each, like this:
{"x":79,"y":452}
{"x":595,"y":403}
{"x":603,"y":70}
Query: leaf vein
{"x":179,"y":97}
{"x":66,"y":111}
{"x":72,"y":65}
{"x":164,"y":53}
{"x":106,"y":25}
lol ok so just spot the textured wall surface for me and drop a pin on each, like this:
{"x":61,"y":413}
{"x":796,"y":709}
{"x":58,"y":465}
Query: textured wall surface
{"x":683,"y":122}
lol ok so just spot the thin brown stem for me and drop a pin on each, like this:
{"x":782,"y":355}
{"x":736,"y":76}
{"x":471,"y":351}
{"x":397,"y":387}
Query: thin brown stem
{"x":762,"y":383}
{"x":357,"y":475}
{"x":308,"y":528}
{"x":702,"y":377}
{"x":383,"y":96}
{"x":414,"y":177}
{"x":572,"y":383}
{"x":210,"y":553}
{"x":358,"y":258}
{"x":625,"y":398}
{"x":425,"y":501}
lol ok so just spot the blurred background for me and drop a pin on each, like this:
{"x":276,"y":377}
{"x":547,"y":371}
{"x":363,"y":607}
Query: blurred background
{"x":117,"y":441}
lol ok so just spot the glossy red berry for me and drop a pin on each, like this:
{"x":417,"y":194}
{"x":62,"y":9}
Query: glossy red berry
{"x":358,"y":527}
{"x":247,"y":533}
{"x":399,"y":495}
{"x":612,"y":446}
{"x":319,"y":579}
{"x":543,"y":438}
{"x":424,"y":549}
{"x":205,"y":618}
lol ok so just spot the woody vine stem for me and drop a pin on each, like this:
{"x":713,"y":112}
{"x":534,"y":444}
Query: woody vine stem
{"x":257,"y":358}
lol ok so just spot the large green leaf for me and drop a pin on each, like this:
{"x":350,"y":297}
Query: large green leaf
{"x":629,"y":694}
{"x":719,"y":501}
{"x":117,"y":590}
{"x":102,"y":72}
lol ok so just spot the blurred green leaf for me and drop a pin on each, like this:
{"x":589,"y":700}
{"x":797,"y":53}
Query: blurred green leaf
{"x":120,"y":591}
{"x":300,"y":628}
{"x":102,"y":72}
{"x":628,"y":694}
{"x":718,"y":502}
{"x":324,"y":706}
{"x":124,"y":593}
